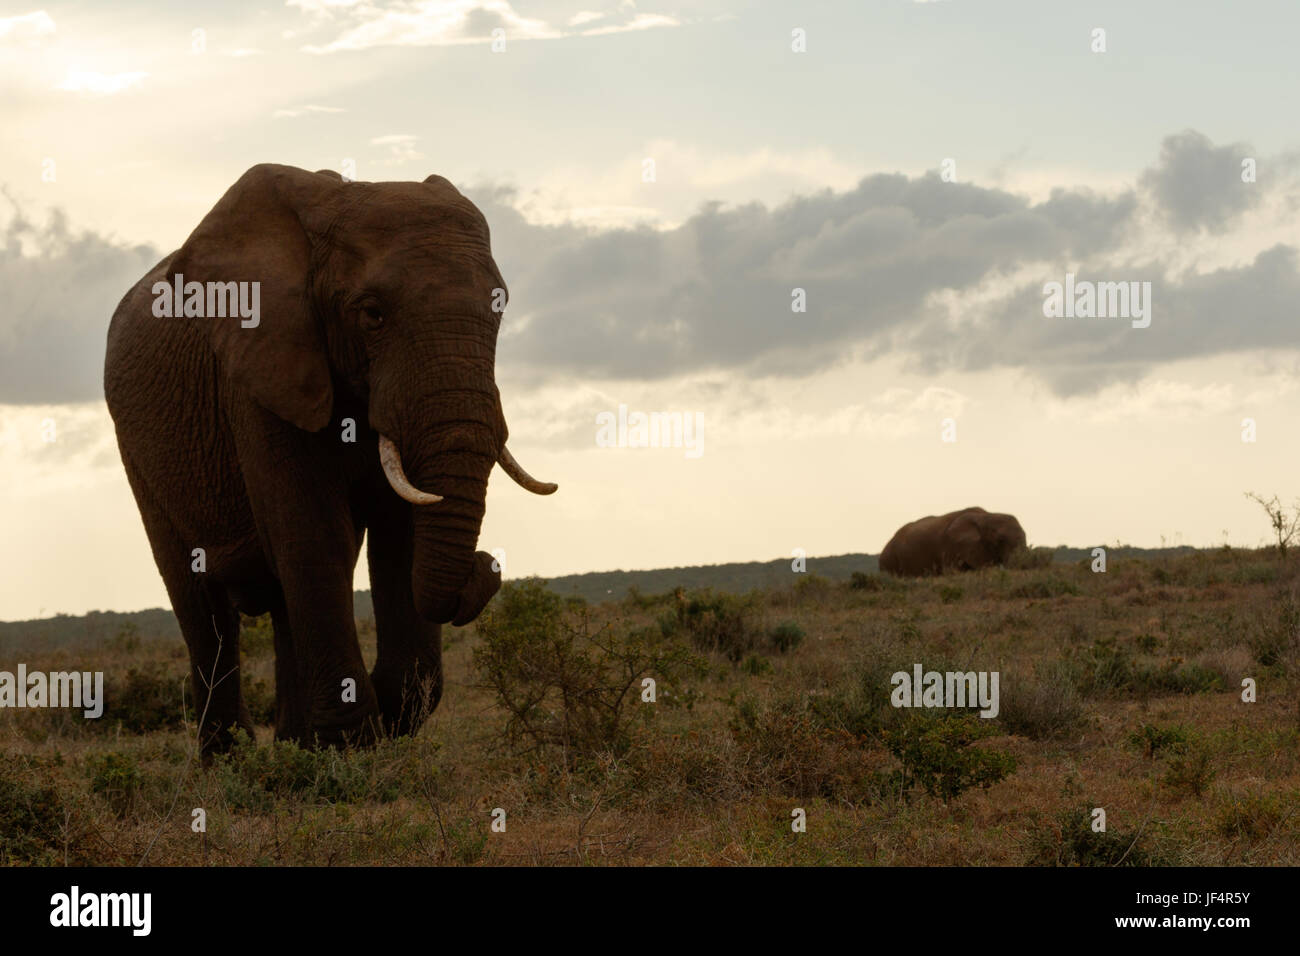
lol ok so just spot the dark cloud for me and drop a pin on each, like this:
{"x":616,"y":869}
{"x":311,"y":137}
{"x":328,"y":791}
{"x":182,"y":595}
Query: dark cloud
{"x":1253,"y":306}
{"x":56,"y":307}
{"x":1198,"y":185}
{"x":715,"y":292}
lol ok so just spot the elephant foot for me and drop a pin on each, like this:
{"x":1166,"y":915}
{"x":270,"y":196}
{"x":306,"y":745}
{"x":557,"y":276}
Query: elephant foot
{"x":407,"y":698}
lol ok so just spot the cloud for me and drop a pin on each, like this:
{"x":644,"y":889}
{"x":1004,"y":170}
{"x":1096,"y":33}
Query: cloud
{"x":455,"y":22}
{"x":59,"y":297}
{"x":940,"y":275}
{"x":1198,"y":185}
{"x":641,"y":21}
{"x":937,"y":276}
{"x":308,"y":110}
{"x":100,"y":84}
{"x":401,"y":148}
{"x":29,"y":29}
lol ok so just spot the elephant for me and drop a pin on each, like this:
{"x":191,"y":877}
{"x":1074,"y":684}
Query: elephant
{"x":354,"y":399}
{"x":958,"y":541}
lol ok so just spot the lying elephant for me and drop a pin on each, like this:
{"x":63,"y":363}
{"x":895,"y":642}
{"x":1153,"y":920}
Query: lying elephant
{"x":337,"y":381}
{"x":959,"y":541}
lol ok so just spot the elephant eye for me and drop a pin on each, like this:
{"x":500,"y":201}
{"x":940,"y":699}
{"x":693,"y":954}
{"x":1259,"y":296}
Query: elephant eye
{"x":371,"y":317}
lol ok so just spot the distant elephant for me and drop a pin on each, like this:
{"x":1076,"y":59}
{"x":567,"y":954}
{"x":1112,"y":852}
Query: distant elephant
{"x":959,"y":541}
{"x":262,"y":443}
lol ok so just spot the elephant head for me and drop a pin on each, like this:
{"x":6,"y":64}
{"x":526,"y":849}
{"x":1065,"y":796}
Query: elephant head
{"x":386,"y":295}
{"x":976,"y":538}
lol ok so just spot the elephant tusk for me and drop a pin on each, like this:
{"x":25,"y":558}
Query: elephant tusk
{"x":391,"y":459}
{"x":523,"y":478}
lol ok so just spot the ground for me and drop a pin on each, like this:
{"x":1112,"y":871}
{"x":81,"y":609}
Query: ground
{"x":1120,"y":690}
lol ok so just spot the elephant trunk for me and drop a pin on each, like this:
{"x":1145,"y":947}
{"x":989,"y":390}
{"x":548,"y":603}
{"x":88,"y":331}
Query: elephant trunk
{"x":451,"y":581}
{"x":441,"y":466}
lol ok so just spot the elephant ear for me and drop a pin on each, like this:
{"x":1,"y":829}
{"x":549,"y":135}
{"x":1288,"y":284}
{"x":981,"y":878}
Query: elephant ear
{"x":259,"y":232}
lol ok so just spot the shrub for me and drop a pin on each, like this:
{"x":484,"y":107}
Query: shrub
{"x":784,"y":749}
{"x":1042,"y":707}
{"x":950,"y":593}
{"x":1252,"y":816}
{"x":714,"y":622}
{"x":562,"y":681}
{"x":786,"y":636}
{"x":860,"y":581}
{"x":1028,"y":559}
{"x":32,"y":815}
{"x":149,"y":698}
{"x":1069,"y":840}
{"x":1151,"y":739}
{"x":1276,"y":634}
{"x":1190,"y":772}
{"x":756,"y":666}
{"x":116,"y":777}
{"x":936,"y":753}
{"x":254,"y":778}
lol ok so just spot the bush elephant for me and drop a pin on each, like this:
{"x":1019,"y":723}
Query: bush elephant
{"x":356,"y":396}
{"x":959,"y":541}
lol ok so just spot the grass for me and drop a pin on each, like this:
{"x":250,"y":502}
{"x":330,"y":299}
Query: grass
{"x":1119,"y":690}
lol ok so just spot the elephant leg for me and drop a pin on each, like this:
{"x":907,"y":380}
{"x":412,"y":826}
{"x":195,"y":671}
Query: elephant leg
{"x":290,"y":708}
{"x":211,"y":629}
{"x":209,"y":624}
{"x":303,"y":515}
{"x":408,"y":669}
{"x":335,"y":693}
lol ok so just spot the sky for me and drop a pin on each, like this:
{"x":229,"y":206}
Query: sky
{"x":823,"y":230}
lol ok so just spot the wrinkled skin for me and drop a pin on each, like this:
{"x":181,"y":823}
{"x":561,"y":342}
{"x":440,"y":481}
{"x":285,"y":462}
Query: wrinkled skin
{"x":376,"y":306}
{"x":959,"y":541}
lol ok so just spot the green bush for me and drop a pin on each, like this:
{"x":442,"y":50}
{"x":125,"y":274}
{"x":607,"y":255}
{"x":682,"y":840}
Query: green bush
{"x":116,"y":777}
{"x":563,"y":682}
{"x":1151,"y":740}
{"x":1190,"y":772}
{"x":149,"y":698}
{"x":254,"y":778}
{"x":1107,"y":667}
{"x":786,"y":636}
{"x":1069,"y":840}
{"x":756,"y":666}
{"x":715,"y":622}
{"x":950,"y":593}
{"x":936,"y":753}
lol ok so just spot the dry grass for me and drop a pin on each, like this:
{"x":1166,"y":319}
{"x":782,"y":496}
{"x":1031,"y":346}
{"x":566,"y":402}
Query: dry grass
{"x":1093,"y":667}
